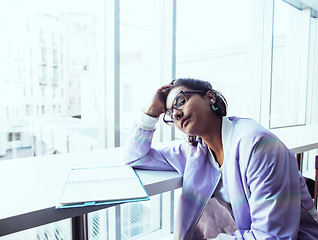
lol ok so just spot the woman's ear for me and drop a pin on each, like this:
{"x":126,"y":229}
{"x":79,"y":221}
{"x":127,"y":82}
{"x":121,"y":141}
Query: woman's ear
{"x":210,"y":96}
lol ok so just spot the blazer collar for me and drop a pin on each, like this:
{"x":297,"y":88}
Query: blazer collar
{"x":227,"y":127}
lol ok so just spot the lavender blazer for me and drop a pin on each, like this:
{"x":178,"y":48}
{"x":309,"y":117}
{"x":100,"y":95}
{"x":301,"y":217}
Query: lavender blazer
{"x":268,"y":195}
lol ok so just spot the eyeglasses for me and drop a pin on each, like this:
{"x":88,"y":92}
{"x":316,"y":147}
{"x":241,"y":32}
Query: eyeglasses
{"x":179,"y":102}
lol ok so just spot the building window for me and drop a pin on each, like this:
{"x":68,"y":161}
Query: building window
{"x":14,"y":136}
{"x":27,"y":110}
{"x":43,"y":66}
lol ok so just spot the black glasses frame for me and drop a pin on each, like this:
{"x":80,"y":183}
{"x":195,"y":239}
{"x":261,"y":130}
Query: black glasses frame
{"x":171,"y":122}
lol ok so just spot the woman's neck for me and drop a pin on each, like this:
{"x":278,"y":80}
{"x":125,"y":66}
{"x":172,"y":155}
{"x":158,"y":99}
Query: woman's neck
{"x":213,"y":140}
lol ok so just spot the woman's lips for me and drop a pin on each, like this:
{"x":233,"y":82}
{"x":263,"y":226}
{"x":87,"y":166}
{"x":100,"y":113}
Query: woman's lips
{"x":185,"y":122}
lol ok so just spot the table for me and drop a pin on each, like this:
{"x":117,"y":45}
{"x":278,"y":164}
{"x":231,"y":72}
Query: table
{"x":31,"y":187}
{"x":299,"y":139}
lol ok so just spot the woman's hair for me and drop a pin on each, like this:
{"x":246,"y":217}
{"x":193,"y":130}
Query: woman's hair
{"x":196,"y":84}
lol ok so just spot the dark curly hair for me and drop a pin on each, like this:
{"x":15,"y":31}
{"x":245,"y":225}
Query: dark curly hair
{"x":197,"y":84}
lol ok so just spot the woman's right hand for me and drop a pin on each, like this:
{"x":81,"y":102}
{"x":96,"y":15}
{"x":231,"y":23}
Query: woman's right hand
{"x":157,"y":106}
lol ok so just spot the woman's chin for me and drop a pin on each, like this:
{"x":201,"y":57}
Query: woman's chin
{"x":189,"y":130}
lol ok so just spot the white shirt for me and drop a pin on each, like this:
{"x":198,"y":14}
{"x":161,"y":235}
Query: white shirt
{"x":220,"y":190}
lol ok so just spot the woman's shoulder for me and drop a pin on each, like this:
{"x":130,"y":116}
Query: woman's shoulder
{"x":248,"y":125}
{"x":248,"y":130}
{"x":252,"y":139}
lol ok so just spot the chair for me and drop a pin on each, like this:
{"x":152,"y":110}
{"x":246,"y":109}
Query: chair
{"x":313,"y":185}
{"x":316,"y":182}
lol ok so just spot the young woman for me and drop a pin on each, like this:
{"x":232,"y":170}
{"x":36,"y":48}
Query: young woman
{"x":239,"y":180}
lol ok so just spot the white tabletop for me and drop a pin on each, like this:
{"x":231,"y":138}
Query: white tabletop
{"x":31,"y":187}
{"x":299,"y":139}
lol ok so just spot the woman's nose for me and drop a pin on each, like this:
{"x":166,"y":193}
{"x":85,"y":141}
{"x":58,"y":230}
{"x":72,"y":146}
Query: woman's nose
{"x":177,"y":114}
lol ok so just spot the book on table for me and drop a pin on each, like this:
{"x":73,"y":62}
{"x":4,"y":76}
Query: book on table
{"x":100,"y":186}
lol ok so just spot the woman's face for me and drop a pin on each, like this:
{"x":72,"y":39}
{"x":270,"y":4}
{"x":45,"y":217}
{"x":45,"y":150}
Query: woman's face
{"x":196,"y":115}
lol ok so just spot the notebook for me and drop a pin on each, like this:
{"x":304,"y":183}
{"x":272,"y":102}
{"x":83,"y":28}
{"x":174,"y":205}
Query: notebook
{"x":102,"y":185}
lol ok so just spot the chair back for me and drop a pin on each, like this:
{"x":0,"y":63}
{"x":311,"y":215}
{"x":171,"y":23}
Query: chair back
{"x":316,"y":181}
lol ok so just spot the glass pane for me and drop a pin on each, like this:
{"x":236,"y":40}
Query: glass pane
{"x":58,"y":231}
{"x":314,"y":71}
{"x":140,"y":56}
{"x":98,"y":225}
{"x":289,"y":67}
{"x":48,"y":83}
{"x":50,"y":75}
{"x":213,"y":44}
{"x":140,"y":218}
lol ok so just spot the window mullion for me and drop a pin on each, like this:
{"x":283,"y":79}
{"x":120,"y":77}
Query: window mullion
{"x":266,"y":64}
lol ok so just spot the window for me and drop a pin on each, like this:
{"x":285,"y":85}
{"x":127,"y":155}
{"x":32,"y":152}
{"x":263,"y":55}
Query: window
{"x":27,"y":110}
{"x":101,"y":62}
{"x":290,"y":66}
{"x":43,"y":66}
{"x":141,"y":57}
{"x":214,"y":43}
{"x":14,"y":136}
{"x":54,"y":70}
{"x":68,"y":39}
{"x":141,"y":73}
{"x":313,"y":73}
